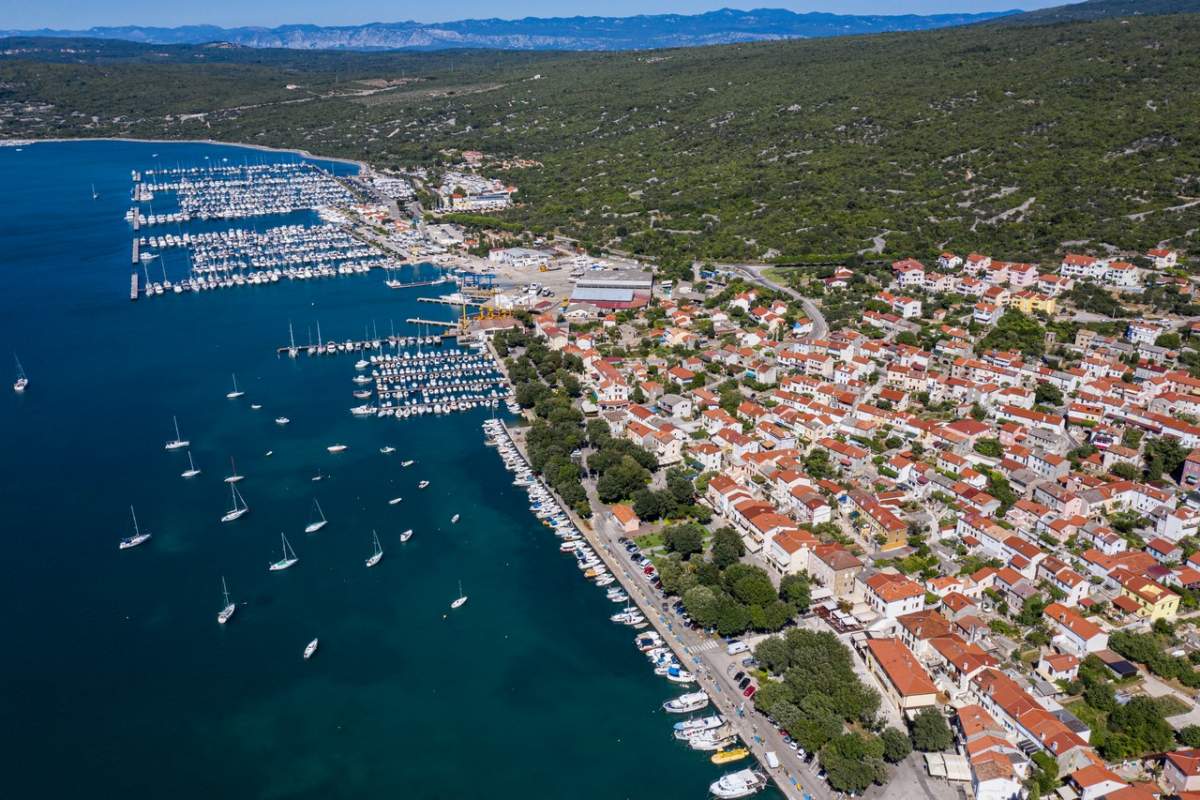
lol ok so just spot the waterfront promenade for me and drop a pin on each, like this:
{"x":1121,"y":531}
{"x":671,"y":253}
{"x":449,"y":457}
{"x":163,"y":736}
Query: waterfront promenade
{"x":700,"y":653}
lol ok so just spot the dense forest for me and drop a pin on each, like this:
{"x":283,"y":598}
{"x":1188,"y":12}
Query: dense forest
{"x":1014,"y":139}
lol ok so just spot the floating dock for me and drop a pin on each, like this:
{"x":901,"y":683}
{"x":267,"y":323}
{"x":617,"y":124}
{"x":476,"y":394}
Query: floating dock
{"x":133,"y":286}
{"x":414,"y":284}
{"x":136,"y":249}
{"x":445,"y":302}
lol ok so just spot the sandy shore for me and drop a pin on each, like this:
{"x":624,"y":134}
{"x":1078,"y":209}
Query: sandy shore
{"x":362,"y":165}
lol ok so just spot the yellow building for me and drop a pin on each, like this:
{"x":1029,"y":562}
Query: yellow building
{"x":1145,"y":598}
{"x":1029,"y":302}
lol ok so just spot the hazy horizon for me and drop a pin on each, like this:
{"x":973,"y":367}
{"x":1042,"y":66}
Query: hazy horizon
{"x":69,"y":15}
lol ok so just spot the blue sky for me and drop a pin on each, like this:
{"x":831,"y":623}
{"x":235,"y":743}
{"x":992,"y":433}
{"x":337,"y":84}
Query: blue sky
{"x":75,"y":14}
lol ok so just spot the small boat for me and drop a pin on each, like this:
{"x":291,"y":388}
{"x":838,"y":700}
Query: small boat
{"x":282,"y":420}
{"x":139,"y":536}
{"x":22,"y":381}
{"x":178,"y":442}
{"x":454,"y":519}
{"x":255,"y":406}
{"x":394,"y":501}
{"x":406,"y":463}
{"x":730,"y":755}
{"x":336,"y":448}
{"x":315,"y":525}
{"x":378,"y":554}
{"x":700,"y":723}
{"x":233,"y":477}
{"x":226,"y":612}
{"x":742,"y":783}
{"x":310,"y":648}
{"x":236,"y":393}
{"x":404,"y":537}
{"x":239,"y":505}
{"x":191,"y":471}
{"x":422,"y":484}
{"x":462,"y":598}
{"x":289,"y":557}
{"x":387,"y":449}
{"x":269,"y":453}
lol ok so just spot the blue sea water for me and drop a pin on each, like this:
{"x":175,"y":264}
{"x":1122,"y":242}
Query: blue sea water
{"x":116,"y":679}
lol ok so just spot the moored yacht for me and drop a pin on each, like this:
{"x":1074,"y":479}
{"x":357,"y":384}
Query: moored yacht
{"x":315,"y":525}
{"x":404,"y":537}
{"x":742,"y":783}
{"x":310,"y":648}
{"x":225,"y":613}
{"x":191,"y":471}
{"x":239,"y":506}
{"x":377,"y":554}
{"x":178,"y":442}
{"x":686,"y":703}
{"x":289,"y":557}
{"x":139,"y":536}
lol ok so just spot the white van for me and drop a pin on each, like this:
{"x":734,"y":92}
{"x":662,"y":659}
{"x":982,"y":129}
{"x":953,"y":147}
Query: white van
{"x":772,"y":760}
{"x":733,"y":648}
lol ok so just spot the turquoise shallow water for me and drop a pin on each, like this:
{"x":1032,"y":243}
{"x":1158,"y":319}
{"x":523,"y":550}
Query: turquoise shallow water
{"x":116,"y":677}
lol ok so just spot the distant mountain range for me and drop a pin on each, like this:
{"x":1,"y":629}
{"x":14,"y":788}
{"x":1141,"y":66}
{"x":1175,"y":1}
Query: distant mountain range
{"x":533,"y":33}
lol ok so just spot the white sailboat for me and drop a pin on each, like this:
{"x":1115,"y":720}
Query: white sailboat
{"x":95,"y":194}
{"x":22,"y":380}
{"x":233,"y":477}
{"x":226,"y":612}
{"x":310,"y":648}
{"x":236,"y":393}
{"x":378,"y":554}
{"x":191,"y":471}
{"x":289,"y":557}
{"x":462,"y":598}
{"x":239,"y":505}
{"x":178,"y":442}
{"x":320,"y":522}
{"x":138,"y":537}
{"x":292,"y":350}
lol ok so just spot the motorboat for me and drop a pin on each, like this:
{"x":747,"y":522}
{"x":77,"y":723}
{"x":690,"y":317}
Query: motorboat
{"x":699,"y":724}
{"x":730,"y":755}
{"x":336,"y":448}
{"x":422,"y":484}
{"x":686,"y":703}
{"x":404,"y":537}
{"x":742,"y":783}
{"x":454,"y":519}
{"x":387,"y":449}
{"x":310,"y":648}
{"x":282,"y":420}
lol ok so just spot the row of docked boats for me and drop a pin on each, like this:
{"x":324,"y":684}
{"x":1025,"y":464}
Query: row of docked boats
{"x":412,"y":384}
{"x":229,"y":191}
{"x":710,"y":733}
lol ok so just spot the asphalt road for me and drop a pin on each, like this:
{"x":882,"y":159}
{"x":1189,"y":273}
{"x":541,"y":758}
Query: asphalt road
{"x":757,"y":274}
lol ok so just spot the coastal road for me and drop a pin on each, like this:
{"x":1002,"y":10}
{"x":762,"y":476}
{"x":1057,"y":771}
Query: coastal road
{"x":702,"y":655}
{"x":756,"y":273}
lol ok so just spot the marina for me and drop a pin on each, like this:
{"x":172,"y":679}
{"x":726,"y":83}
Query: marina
{"x":148,"y":612}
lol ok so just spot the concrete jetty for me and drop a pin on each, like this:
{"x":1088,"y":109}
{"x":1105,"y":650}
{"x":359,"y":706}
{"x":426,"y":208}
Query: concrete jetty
{"x":133,"y":286}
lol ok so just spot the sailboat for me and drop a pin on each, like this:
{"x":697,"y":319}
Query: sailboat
{"x":191,"y":471}
{"x":462,"y":598}
{"x":226,"y":612}
{"x":22,"y":381}
{"x":316,"y":525}
{"x":177,"y":443}
{"x":234,"y":477}
{"x":95,"y":194}
{"x":236,"y":393}
{"x":378,"y":554}
{"x":289,"y":557}
{"x":237,"y":510}
{"x":138,"y":537}
{"x":292,"y":350}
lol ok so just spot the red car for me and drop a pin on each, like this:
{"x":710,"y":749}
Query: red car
{"x":750,"y":690}
{"x":649,"y":570}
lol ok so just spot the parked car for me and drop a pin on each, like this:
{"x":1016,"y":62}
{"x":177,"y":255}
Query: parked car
{"x":738,"y":676}
{"x":750,"y":690}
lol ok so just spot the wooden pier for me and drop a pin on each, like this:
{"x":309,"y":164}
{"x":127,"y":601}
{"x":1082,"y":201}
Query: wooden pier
{"x":133,"y":286}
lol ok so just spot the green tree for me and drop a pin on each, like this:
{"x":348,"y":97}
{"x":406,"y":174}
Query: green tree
{"x":796,"y":590}
{"x":700,"y":602}
{"x":817,"y":464}
{"x":930,"y":733}
{"x":853,"y":762}
{"x":727,"y":547}
{"x":1048,"y":394}
{"x":686,"y":539}
{"x":896,"y":745}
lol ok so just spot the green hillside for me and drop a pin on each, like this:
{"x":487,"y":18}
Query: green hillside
{"x":1093,"y":10}
{"x":1009,"y":139}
